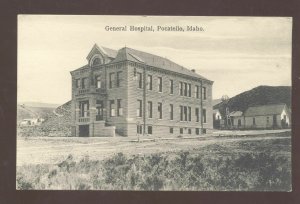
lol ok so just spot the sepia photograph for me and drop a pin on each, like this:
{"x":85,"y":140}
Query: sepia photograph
{"x":154,"y":103}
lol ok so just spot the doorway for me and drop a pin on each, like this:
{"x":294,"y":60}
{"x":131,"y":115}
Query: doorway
{"x":84,"y":130}
{"x":274,"y":121}
{"x":239,"y":123}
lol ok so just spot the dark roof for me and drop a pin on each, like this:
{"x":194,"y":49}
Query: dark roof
{"x":265,"y":110}
{"x":153,"y":60}
{"x":110,"y":52}
{"x":133,"y":55}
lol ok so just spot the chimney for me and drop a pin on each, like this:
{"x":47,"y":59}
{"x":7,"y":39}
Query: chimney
{"x":193,"y":70}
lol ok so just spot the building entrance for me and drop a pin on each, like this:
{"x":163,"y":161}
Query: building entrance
{"x":83,"y":130}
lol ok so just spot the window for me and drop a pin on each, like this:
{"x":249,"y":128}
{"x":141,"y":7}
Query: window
{"x":190,"y":131}
{"x":150,"y":130}
{"x":99,"y":110}
{"x":159,"y":109}
{"x":268,"y":120}
{"x":197,"y":114}
{"x":197,"y":91}
{"x":139,"y":129}
{"x":171,"y":130}
{"x":181,"y":130}
{"x":197,"y":131}
{"x":171,"y":111}
{"x":149,"y":109}
{"x":139,"y":108}
{"x":204,"y":131}
{"x":181,"y":113}
{"x":119,"y":78}
{"x":204,"y":115}
{"x":181,"y":89}
{"x":149,"y":82}
{"x":189,"y":90}
{"x":98,"y":81}
{"x":77,"y":82}
{"x":204,"y":93}
{"x":119,"y":107}
{"x":84,"y":108}
{"x":112,"y":108}
{"x":171,"y":87}
{"x":159,"y":84}
{"x":185,"y":89}
{"x":139,"y":80}
{"x":185,"y":113}
{"x":253,"y":121}
{"x":84,"y":83}
{"x":96,"y":61}
{"x":111,"y":79}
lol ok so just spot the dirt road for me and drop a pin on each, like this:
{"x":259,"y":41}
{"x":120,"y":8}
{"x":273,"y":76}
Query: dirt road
{"x":53,"y":150}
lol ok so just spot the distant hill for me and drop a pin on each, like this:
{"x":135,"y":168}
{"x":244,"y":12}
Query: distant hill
{"x":39,"y":104}
{"x":261,"y":95}
{"x":57,"y":120}
{"x":24,"y":112}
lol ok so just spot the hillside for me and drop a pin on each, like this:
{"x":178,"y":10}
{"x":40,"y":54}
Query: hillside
{"x":24,"y":112}
{"x":261,"y":95}
{"x":39,"y":104}
{"x":57,"y":121}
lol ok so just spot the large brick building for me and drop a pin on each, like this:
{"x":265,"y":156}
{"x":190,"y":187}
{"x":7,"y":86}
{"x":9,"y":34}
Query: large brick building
{"x":130,"y":92}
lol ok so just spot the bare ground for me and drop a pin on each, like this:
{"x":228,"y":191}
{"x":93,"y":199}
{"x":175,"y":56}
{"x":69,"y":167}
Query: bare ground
{"x":51,"y":150}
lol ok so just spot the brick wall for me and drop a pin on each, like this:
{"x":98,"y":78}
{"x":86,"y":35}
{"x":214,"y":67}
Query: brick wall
{"x":129,"y":93}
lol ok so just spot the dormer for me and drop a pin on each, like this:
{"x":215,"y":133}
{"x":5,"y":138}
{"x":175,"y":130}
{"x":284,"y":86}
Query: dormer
{"x":100,"y":55}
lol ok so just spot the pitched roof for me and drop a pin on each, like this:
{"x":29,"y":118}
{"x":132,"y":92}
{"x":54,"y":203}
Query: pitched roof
{"x":236,"y":113}
{"x":133,"y":55}
{"x":153,"y":60}
{"x":110,"y":52}
{"x":265,"y":110}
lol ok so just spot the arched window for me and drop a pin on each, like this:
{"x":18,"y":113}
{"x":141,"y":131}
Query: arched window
{"x":96,"y":61}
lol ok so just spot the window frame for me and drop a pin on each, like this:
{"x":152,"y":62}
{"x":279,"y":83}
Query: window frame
{"x":150,"y":82}
{"x":150,"y":109}
{"x":171,"y":111}
{"x":111,"y":79}
{"x":204,"y":93}
{"x":119,"y":78}
{"x":204,"y":116}
{"x":139,"y":108}
{"x":160,"y":110}
{"x":139,"y":80}
{"x":119,"y":107}
{"x":112,"y":111}
{"x":171,"y":86}
{"x":160,"y":84}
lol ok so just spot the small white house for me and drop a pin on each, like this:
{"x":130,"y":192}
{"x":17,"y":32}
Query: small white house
{"x":31,"y":121}
{"x":268,"y":116}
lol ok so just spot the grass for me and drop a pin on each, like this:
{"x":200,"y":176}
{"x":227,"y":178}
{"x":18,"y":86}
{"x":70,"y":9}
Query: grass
{"x":263,"y":165}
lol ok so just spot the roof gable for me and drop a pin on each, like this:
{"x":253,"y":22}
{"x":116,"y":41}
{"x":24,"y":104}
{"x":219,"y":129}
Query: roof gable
{"x":103,"y":51}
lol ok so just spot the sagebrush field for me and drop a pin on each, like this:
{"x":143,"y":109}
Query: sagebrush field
{"x":242,"y":165}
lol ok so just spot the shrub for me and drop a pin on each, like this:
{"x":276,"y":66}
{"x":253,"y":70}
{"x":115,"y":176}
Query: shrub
{"x":212,"y":168}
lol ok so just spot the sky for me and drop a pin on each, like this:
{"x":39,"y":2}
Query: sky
{"x":237,"y":53}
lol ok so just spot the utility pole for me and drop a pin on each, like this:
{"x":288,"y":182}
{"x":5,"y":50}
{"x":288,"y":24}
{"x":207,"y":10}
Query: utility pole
{"x":225,"y":100}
